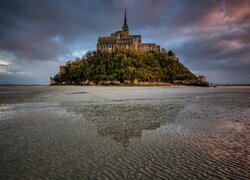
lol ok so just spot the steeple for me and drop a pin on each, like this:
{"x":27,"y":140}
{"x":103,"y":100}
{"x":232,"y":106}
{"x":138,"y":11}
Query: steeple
{"x":125,"y":25}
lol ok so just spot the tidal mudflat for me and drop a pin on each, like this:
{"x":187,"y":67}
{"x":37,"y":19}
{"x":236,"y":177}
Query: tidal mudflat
{"x":124,"y":132}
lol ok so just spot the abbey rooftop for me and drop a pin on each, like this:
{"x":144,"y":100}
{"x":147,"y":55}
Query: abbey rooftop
{"x":123,"y":40}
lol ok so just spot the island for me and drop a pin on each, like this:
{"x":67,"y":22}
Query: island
{"x":122,"y":59}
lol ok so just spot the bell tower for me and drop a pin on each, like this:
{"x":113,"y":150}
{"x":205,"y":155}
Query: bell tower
{"x":125,"y":29}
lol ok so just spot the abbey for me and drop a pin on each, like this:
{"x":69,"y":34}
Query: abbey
{"x":123,"y":40}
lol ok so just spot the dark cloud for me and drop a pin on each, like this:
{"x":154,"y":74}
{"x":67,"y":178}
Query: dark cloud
{"x":210,"y":37}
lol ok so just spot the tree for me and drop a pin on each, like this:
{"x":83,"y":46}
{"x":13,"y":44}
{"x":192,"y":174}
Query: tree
{"x":127,"y":65}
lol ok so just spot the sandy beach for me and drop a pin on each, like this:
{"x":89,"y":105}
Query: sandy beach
{"x":124,"y":132}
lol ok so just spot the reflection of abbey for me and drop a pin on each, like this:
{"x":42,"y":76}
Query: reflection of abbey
{"x":123,"y":40}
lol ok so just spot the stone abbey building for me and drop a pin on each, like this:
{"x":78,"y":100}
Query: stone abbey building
{"x":123,"y":40}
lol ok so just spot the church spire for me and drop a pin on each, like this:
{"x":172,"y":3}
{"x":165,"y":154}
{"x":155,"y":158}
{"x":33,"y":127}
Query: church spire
{"x":125,"y":25}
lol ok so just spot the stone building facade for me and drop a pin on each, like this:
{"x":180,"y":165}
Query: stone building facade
{"x":123,"y":40}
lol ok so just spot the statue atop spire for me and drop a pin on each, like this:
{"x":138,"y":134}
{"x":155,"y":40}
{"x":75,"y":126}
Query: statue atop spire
{"x":125,"y":25}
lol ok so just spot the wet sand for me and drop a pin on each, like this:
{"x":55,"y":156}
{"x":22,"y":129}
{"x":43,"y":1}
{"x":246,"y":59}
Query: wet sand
{"x":124,"y":132}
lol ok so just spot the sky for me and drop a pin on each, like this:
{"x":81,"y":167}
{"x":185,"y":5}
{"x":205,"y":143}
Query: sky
{"x":210,"y":37}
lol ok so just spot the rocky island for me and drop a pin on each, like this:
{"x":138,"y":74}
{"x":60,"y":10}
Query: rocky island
{"x":122,"y":59}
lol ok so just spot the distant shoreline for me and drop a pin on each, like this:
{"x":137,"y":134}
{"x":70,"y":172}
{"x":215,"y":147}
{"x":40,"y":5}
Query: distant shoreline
{"x":170,"y":85}
{"x":24,"y":85}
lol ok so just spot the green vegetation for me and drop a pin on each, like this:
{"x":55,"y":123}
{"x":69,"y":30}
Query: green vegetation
{"x":126,"y":67}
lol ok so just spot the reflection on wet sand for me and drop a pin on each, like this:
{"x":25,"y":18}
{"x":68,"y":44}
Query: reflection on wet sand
{"x":122,"y":122}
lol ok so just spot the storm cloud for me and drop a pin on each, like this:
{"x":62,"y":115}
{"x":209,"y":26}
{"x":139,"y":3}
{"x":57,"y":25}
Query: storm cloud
{"x":210,"y":37}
